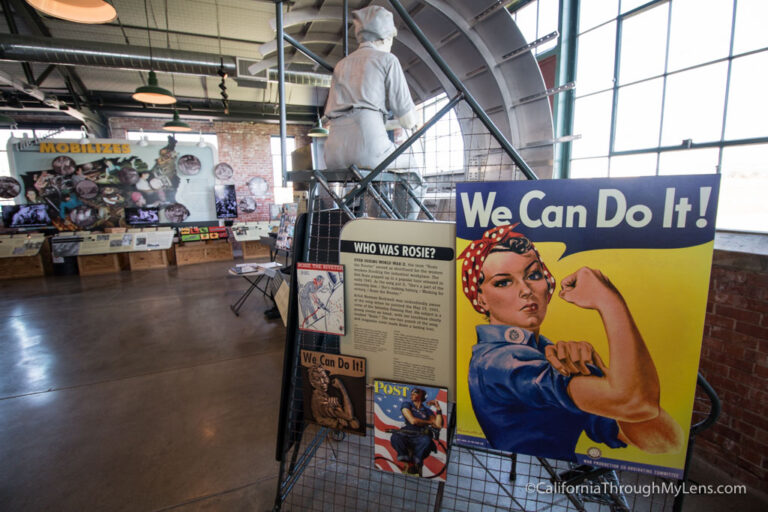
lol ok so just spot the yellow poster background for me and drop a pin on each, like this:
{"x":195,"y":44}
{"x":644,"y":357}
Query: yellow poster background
{"x":666,"y":291}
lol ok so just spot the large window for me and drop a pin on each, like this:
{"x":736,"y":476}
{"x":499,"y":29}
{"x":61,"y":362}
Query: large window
{"x":441,"y":149}
{"x":668,"y":87}
{"x":282,"y":194}
{"x":536,"y":19}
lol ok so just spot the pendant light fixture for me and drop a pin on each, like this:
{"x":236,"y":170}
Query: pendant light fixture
{"x":152,"y":92}
{"x":176,"y":125}
{"x":78,"y":11}
{"x":318,"y":131}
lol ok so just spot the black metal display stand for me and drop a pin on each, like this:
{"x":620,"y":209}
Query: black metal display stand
{"x":322,"y":469}
{"x":326,"y":470}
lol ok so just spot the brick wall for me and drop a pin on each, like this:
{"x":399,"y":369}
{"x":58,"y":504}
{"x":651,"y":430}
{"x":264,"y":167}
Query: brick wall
{"x":244,"y":146}
{"x":735,"y":361}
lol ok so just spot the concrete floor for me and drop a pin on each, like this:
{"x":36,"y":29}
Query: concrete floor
{"x":137,"y":391}
{"x":143,"y":392}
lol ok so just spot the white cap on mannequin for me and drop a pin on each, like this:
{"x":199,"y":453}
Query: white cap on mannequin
{"x":373,"y":23}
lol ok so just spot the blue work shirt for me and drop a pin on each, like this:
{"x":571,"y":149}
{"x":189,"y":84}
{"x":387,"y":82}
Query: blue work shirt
{"x":422,"y":413}
{"x":522,"y":402}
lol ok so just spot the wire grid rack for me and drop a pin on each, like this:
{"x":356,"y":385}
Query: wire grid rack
{"x":340,"y":476}
{"x":326,"y":470}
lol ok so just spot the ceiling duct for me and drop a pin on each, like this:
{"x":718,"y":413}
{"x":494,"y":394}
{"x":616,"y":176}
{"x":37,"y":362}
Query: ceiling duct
{"x":88,"y":53}
{"x":302,"y":78}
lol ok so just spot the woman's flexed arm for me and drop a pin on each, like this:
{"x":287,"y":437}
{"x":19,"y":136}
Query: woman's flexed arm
{"x":629,"y":390}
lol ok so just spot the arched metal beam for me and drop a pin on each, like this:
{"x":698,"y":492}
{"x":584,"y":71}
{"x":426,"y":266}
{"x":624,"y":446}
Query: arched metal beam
{"x":308,"y":15}
{"x":270,"y":47}
{"x":485,"y":53}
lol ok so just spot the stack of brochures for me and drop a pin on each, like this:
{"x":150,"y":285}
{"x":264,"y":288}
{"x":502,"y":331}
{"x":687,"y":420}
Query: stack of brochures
{"x":245,"y":268}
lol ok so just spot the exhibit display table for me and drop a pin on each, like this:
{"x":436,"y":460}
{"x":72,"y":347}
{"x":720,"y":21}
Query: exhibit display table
{"x":250,"y":235}
{"x":23,"y":255}
{"x":189,"y":253}
{"x":259,"y":277}
{"x":147,"y":260}
{"x":103,"y":253}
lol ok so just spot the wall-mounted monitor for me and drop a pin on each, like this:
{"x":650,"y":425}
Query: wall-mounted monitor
{"x":26,"y":216}
{"x":142,"y":216}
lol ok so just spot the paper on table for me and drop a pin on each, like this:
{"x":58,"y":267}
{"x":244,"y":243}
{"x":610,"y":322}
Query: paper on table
{"x":246,"y":268}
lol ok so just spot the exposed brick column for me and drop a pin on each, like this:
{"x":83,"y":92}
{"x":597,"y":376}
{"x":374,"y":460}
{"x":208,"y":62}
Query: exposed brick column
{"x":734,"y":360}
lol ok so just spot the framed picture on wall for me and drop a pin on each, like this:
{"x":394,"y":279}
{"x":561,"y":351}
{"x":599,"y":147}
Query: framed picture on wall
{"x":226,"y":201}
{"x":247,"y":204}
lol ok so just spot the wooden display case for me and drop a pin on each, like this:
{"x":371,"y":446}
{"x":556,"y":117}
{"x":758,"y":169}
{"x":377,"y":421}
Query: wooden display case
{"x":22,"y":266}
{"x":38,"y":265}
{"x":189,"y":253}
{"x":97,"y":264}
{"x":148,"y":260}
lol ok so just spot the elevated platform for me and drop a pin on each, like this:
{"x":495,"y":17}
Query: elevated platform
{"x":346,"y":175}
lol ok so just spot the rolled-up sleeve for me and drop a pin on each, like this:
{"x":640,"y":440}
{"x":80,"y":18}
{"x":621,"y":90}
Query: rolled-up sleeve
{"x":524,"y":377}
{"x":603,"y":430}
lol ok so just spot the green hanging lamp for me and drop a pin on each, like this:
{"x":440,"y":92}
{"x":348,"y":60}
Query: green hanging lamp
{"x":176,"y":125}
{"x":153,"y":93}
{"x":319,"y":130}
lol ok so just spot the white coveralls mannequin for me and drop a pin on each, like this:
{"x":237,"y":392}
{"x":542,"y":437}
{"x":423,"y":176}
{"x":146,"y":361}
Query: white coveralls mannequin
{"x":365,"y":86}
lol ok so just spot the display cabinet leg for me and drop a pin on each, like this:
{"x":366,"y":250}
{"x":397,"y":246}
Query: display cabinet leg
{"x":295,"y":455}
{"x":439,"y":498}
{"x":513,"y":469}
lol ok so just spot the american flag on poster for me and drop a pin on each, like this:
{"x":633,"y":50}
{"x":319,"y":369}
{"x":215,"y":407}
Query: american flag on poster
{"x":416,"y":450}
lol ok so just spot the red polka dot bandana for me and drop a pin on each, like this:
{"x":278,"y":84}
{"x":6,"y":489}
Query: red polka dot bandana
{"x":475,"y":254}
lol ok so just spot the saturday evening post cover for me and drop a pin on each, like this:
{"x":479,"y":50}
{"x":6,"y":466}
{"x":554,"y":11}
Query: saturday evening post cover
{"x":402,"y":447}
{"x":580,"y":314}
